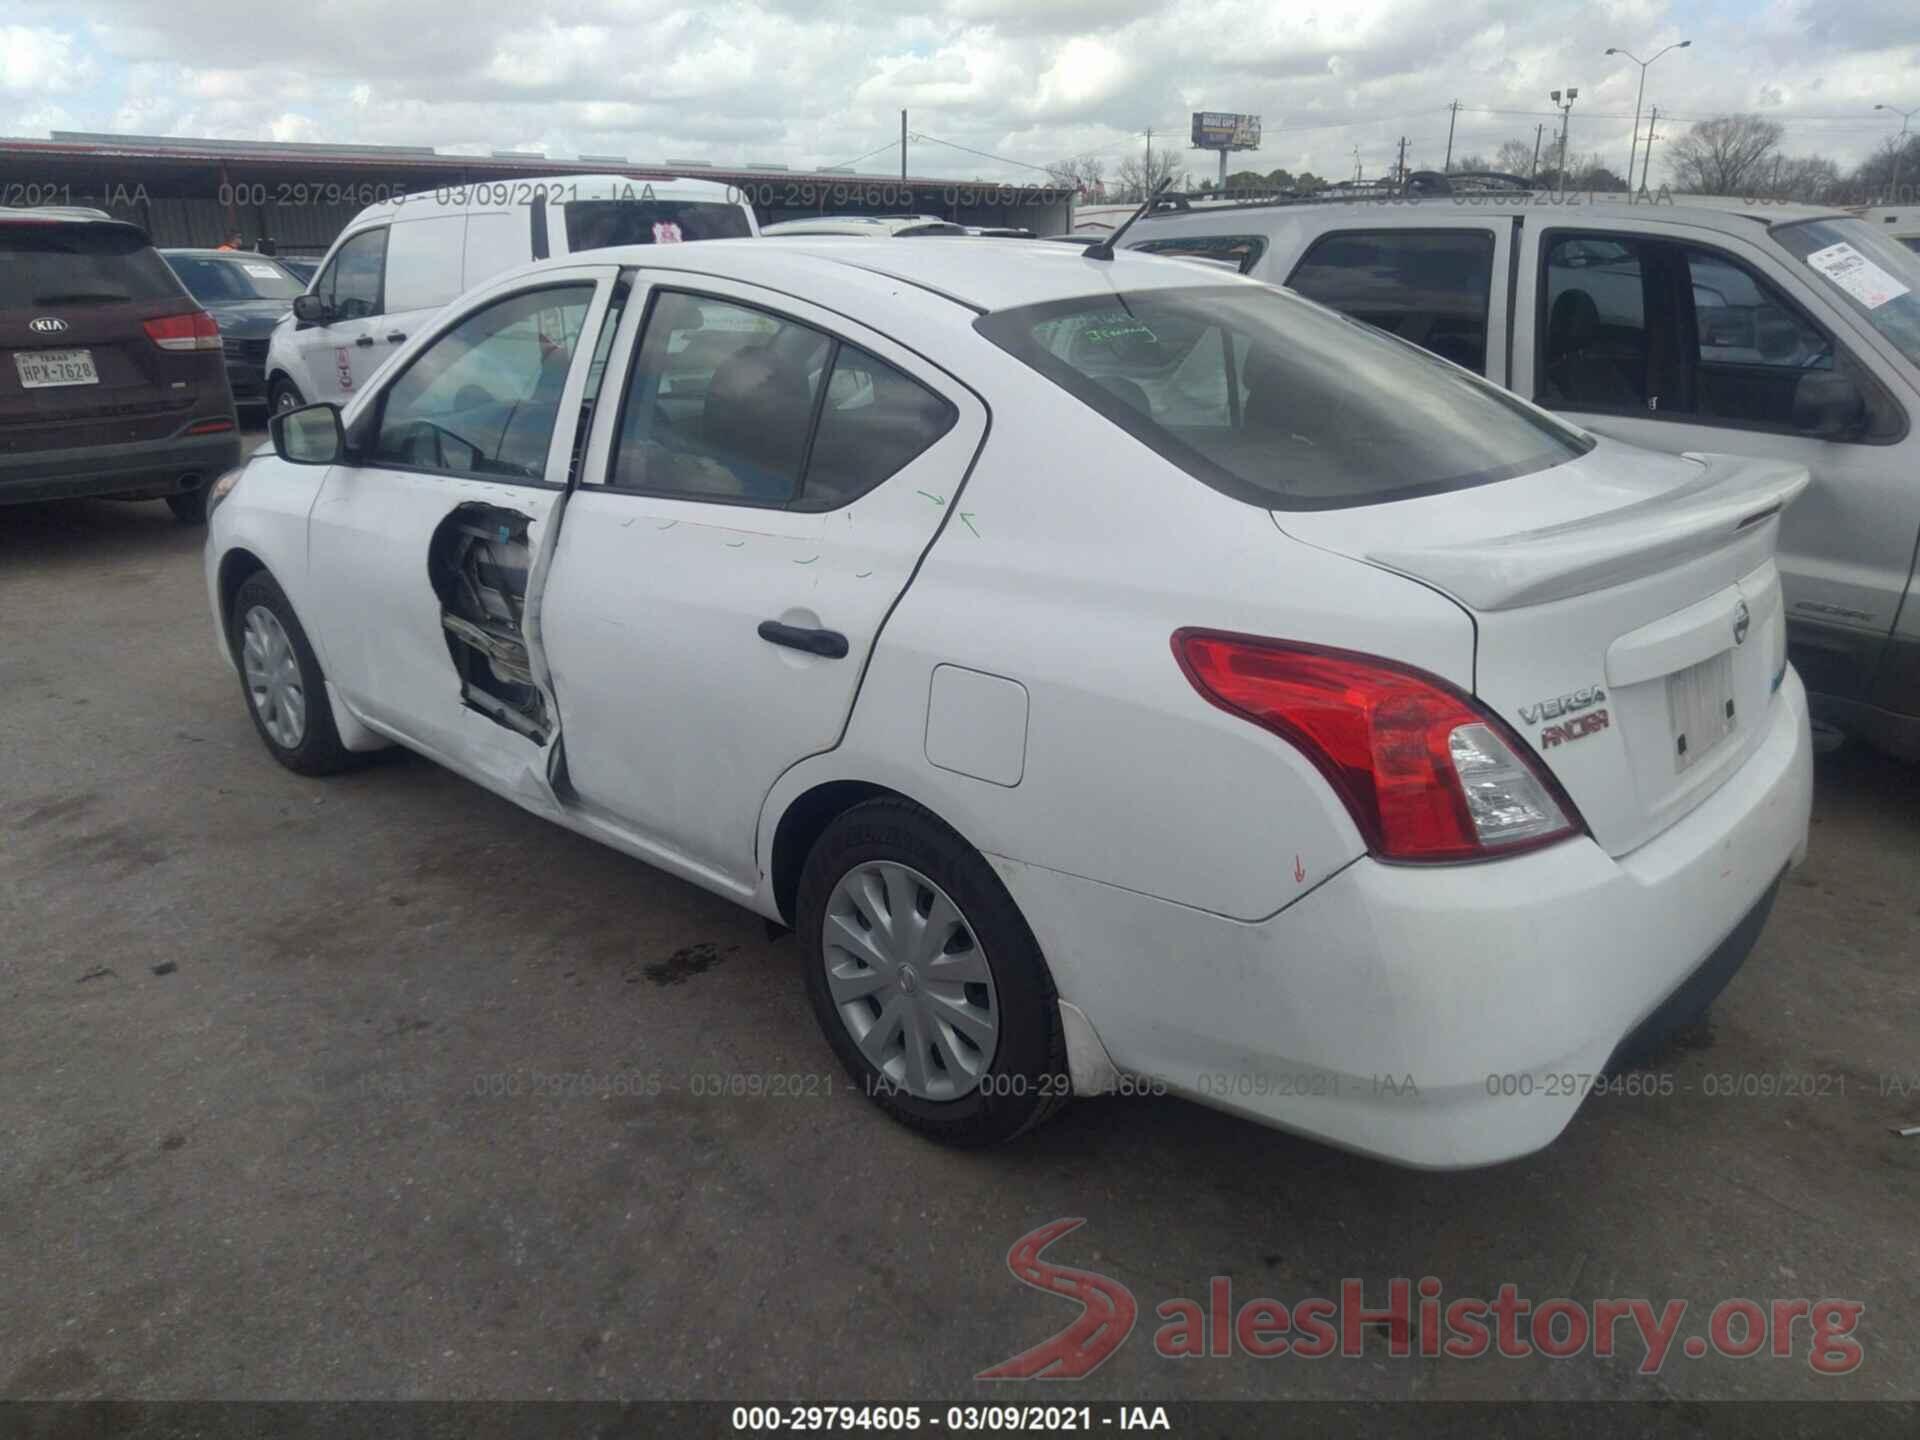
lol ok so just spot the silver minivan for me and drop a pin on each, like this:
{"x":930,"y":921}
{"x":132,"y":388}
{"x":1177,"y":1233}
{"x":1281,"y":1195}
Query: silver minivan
{"x":399,"y":261}
{"x":1746,"y":328}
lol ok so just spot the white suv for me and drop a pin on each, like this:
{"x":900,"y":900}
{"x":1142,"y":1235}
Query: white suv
{"x":400,"y":261}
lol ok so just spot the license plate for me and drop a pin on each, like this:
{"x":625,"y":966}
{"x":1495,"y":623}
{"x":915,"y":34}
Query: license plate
{"x":40,"y":369}
{"x":1700,"y":705}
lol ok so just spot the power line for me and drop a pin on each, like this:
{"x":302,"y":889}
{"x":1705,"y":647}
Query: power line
{"x":890,"y":145}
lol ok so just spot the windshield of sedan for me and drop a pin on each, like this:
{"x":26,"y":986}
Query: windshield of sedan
{"x":210,"y":281}
{"x":1279,"y":402}
{"x":1876,"y":278}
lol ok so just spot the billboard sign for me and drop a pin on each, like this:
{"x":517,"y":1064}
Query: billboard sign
{"x":1214,"y":131}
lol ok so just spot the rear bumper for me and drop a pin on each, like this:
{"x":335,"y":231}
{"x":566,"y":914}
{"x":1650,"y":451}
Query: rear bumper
{"x":149,"y":467}
{"x":1443,"y":1016}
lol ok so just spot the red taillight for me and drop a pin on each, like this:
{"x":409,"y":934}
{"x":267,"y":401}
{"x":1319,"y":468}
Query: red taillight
{"x":209,"y":427}
{"x":193,"y":331}
{"x":1425,"y":773}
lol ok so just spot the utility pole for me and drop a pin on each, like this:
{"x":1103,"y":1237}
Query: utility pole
{"x":1356,"y":164}
{"x":1646,"y":160}
{"x":1148,"y":177}
{"x":1899,"y":150}
{"x":1453,"y":114}
{"x":903,"y":144}
{"x":1641,"y":94}
{"x":1566,"y":117}
{"x":1402,"y":172}
{"x":1538,"y":131}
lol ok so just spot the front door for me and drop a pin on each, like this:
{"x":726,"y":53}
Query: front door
{"x":1684,"y":340}
{"x":341,"y":353}
{"x":435,"y":539}
{"x":748,"y":514}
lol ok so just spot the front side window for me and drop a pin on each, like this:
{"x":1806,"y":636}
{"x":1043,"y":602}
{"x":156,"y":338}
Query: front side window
{"x":352,"y":283}
{"x":484,"y":399}
{"x":1278,"y":403}
{"x":1242,"y":251}
{"x":1427,"y":286}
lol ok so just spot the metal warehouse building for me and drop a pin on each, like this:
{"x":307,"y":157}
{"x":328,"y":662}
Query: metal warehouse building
{"x":192,"y":192}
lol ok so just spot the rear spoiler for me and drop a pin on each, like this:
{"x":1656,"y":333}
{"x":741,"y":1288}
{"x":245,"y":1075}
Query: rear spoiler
{"x":1732,"y":495}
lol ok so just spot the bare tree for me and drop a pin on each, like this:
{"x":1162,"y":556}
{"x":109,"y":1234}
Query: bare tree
{"x":1137,"y":180}
{"x":1469,"y":163}
{"x":1514,"y":157}
{"x":1085,"y":173}
{"x":1728,"y":156}
{"x":1876,"y":176}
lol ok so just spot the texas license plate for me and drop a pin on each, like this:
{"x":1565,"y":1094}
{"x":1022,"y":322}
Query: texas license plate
{"x":40,"y":369}
{"x":1700,"y":705}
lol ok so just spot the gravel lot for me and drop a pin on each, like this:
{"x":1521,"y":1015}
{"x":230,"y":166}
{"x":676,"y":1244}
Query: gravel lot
{"x":268,"y":1127}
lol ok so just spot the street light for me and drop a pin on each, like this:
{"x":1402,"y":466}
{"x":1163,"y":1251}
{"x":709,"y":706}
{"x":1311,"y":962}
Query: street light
{"x":1633,"y":149}
{"x":1899,"y":150}
{"x":1566,"y":114}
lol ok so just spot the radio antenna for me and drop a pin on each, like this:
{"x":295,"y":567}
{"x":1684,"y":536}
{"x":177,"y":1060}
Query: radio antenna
{"x":1103,"y":249}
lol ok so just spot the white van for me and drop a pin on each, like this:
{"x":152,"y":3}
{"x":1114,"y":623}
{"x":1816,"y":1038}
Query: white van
{"x":400,"y":261}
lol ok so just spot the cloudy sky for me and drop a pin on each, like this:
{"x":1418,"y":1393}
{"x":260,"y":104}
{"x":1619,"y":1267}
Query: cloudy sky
{"x":822,"y":82}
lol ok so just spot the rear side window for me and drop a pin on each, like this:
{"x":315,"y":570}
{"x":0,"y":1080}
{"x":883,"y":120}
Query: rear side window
{"x":1243,"y":251}
{"x":874,"y":421}
{"x":1427,"y":286}
{"x":597,"y":224}
{"x":1278,"y":403}
{"x":77,"y":264}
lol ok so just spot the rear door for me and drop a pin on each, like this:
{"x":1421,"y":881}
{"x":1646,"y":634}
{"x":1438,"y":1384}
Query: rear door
{"x":77,"y":366}
{"x":1684,"y":340}
{"x":748,"y":513}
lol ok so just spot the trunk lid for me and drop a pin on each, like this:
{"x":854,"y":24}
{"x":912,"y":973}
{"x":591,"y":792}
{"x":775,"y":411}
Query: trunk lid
{"x":1628,"y":616}
{"x":74,"y":297}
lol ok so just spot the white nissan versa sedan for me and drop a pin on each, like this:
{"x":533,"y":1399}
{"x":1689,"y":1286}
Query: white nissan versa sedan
{"x":1109,"y":668}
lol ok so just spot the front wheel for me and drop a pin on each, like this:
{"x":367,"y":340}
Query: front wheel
{"x":924,"y":976}
{"x":280,"y":677}
{"x":282,"y":396}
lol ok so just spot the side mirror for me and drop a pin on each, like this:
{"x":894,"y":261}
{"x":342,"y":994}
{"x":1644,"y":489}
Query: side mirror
{"x":1828,"y":405}
{"x":311,"y":435}
{"x":310,"y":309}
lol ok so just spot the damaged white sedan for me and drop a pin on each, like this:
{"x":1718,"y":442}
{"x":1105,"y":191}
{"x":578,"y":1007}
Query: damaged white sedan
{"x":1108,"y":668}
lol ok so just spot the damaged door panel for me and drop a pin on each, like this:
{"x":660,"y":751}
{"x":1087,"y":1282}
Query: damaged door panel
{"x":478,"y":564}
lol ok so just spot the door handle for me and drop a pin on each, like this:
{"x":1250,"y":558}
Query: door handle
{"x":394,"y":337}
{"x":829,"y":643}
{"x":366,"y":340}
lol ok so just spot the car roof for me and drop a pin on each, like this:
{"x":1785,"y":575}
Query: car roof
{"x":60,"y":215}
{"x":868,"y":225}
{"x":1710,"y":212}
{"x":503,"y":194}
{"x":981,"y":273}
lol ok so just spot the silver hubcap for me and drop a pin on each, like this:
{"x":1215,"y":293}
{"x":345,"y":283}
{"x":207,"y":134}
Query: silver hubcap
{"x":273,"y":678}
{"x":286,"y":401}
{"x":911,"y":983}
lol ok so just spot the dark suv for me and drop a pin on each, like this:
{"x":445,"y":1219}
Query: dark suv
{"x":112,"y":379}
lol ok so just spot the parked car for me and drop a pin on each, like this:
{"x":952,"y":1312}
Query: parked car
{"x":875,"y":227}
{"x":398,"y":262}
{"x":1779,"y":332}
{"x":1338,"y":739}
{"x":247,"y":295}
{"x":112,"y":382}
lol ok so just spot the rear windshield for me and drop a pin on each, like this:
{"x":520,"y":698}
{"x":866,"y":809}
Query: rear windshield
{"x":597,"y":224}
{"x":208,"y":280}
{"x":72,"y":264}
{"x":1278,"y":402}
{"x":1875,"y":278}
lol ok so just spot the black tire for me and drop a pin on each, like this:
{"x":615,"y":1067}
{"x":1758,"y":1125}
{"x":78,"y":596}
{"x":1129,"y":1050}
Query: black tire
{"x":319,"y":751}
{"x":190,"y":506}
{"x":283,"y":395}
{"x":1026,"y":1082}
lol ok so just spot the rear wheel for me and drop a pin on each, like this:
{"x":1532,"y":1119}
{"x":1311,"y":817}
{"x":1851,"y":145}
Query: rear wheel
{"x":924,"y":976}
{"x":283,"y":395}
{"x":280,"y":677}
{"x":190,"y":506}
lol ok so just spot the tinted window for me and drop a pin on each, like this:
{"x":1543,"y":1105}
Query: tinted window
{"x":1595,"y":352}
{"x":1242,"y":250}
{"x":352,"y":280}
{"x":484,"y":398}
{"x":209,"y":280}
{"x":1430,"y":287}
{"x":596,"y":224}
{"x":719,"y":402}
{"x":67,"y":264}
{"x":1276,"y":402}
{"x":874,"y":421}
